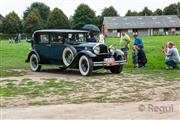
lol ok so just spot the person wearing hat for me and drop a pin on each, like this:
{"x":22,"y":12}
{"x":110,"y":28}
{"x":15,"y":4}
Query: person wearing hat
{"x":125,"y":45}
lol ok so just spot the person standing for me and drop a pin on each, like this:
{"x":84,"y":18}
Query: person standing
{"x":16,"y":38}
{"x":137,"y":41}
{"x":125,"y":45}
{"x":101,"y":38}
{"x":19,"y":37}
{"x":172,"y":56}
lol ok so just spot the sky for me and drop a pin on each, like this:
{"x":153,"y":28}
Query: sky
{"x":69,"y":6}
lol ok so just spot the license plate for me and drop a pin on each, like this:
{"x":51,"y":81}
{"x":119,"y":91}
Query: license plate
{"x":109,"y":61}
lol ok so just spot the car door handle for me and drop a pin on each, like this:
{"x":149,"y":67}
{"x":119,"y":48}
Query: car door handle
{"x":49,"y":45}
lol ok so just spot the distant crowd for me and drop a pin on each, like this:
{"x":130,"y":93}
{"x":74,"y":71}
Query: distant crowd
{"x":16,"y":39}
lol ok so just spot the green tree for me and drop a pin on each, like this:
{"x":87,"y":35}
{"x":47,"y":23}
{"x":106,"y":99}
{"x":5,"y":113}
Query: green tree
{"x":41,"y":8}
{"x":131,"y":13}
{"x":110,"y":11}
{"x":1,"y":19}
{"x":158,"y":12}
{"x":146,"y":12}
{"x":99,"y":21}
{"x":71,"y":21}
{"x":178,"y":9}
{"x":83,"y":15}
{"x":57,"y":19}
{"x":32,"y":22}
{"x":170,"y":10}
{"x":106,"y":12}
{"x":11,"y":24}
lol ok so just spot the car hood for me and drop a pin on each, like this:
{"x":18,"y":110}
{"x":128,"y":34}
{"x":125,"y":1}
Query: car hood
{"x":89,"y":44}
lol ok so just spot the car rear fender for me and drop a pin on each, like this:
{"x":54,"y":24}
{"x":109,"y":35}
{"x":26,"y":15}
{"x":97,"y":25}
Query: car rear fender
{"x":32,"y":52}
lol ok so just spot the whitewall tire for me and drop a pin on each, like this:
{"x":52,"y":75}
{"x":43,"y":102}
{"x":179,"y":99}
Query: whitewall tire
{"x":85,"y":65}
{"x":34,"y":63}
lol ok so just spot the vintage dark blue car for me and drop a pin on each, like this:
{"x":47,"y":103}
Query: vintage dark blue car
{"x":70,"y":49}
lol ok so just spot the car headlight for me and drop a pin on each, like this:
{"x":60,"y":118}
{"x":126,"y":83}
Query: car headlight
{"x":112,"y":49}
{"x":96,"y":49}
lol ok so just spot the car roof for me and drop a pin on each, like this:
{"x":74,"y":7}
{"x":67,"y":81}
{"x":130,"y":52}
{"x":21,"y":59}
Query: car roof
{"x":62,"y":31}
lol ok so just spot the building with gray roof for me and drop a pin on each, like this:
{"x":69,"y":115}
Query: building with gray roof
{"x":143,"y":25}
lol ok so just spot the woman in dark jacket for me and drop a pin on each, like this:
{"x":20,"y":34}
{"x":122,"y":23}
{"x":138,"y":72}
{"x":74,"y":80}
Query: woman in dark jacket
{"x":142,"y":60}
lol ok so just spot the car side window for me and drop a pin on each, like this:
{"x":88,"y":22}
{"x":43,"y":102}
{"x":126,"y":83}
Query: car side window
{"x":44,"y":38}
{"x":82,"y":37}
{"x":56,"y":38}
{"x":72,"y":37}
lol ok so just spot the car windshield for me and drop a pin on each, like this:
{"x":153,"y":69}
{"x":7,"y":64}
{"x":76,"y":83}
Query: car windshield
{"x":77,"y":37}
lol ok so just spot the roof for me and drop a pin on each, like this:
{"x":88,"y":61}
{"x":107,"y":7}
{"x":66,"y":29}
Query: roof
{"x":167,"y":21}
{"x":61,"y":30}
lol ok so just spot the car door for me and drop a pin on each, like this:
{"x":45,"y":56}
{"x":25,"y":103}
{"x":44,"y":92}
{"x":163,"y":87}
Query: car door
{"x":43,"y":46}
{"x":57,"y":47}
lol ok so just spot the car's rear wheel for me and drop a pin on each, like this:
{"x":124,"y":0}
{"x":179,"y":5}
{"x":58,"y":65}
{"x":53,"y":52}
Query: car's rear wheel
{"x":85,"y":65}
{"x":34,"y":63}
{"x":116,"y":69}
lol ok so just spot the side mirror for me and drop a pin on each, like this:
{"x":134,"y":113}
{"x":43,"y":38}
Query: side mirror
{"x":29,"y":41}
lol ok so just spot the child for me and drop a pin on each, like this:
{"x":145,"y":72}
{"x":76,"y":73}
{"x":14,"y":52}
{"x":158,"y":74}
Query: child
{"x":142,"y":60}
{"x":101,"y":38}
{"x":134,"y":57}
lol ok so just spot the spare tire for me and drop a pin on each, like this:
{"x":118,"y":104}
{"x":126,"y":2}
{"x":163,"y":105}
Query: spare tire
{"x":68,"y":56}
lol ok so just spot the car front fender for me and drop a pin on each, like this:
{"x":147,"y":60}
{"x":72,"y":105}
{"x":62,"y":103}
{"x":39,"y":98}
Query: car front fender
{"x":83,"y":52}
{"x":87,"y":52}
{"x":118,"y":54}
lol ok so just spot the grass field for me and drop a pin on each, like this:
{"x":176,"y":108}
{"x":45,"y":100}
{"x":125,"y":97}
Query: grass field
{"x":12,"y":56}
{"x":135,"y":84}
{"x":153,"y":48}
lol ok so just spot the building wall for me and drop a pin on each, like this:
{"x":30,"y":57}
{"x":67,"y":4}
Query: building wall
{"x":146,"y":32}
{"x":143,"y":32}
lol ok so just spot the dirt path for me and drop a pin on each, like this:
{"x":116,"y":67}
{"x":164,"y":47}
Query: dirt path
{"x":101,"y":87}
{"x":96,"y":111}
{"x":101,"y":96}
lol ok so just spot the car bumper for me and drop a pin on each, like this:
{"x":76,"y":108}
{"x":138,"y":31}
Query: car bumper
{"x":97,"y":64}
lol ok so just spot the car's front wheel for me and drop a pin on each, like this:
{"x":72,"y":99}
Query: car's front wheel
{"x":34,"y":63}
{"x":85,"y":65}
{"x":116,"y":69}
